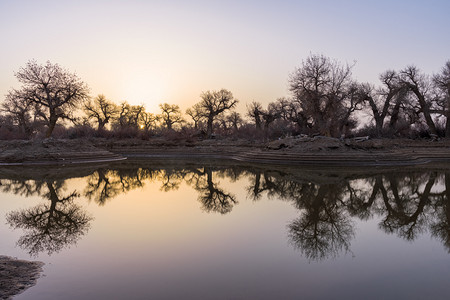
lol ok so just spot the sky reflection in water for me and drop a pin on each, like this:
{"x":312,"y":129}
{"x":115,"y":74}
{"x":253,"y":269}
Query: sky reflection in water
{"x":205,"y":231}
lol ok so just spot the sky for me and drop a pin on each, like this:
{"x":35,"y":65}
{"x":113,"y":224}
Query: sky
{"x":151,"y":52}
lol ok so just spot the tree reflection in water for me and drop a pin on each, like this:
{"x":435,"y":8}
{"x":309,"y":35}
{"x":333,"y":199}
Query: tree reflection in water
{"x":407,"y":204}
{"x":105,"y":184}
{"x":212,"y":197}
{"x":440,"y":226}
{"x":52,"y":225}
{"x":324,"y":227}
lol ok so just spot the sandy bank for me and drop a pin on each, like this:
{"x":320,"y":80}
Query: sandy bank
{"x":17,"y":275}
{"x":52,"y":151}
{"x":318,"y":151}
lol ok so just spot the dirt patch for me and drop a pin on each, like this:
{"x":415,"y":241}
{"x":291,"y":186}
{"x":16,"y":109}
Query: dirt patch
{"x":52,"y":151}
{"x":307,"y":144}
{"x":17,"y":275}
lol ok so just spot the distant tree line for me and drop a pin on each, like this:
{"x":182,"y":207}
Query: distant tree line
{"x":324,"y":100}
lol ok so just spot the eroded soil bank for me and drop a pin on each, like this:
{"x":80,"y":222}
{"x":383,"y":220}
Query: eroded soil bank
{"x":53,"y":151}
{"x":321,"y":151}
{"x":317,"y":151}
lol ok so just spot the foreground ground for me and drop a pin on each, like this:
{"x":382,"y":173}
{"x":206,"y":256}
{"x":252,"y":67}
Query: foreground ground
{"x":297,"y":151}
{"x":17,"y":275}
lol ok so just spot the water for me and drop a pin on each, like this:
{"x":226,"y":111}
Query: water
{"x":171,"y":230}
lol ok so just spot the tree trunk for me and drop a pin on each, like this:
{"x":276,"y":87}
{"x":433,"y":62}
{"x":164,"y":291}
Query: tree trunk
{"x":51,"y":126}
{"x":379,"y":125}
{"x":447,"y":115}
{"x":425,"y":110}
{"x":266,"y":130}
{"x":209,"y":126}
{"x":101,"y":124}
{"x":257,"y":122}
{"x":23,"y":124}
{"x":394,"y":115}
{"x":447,"y":125}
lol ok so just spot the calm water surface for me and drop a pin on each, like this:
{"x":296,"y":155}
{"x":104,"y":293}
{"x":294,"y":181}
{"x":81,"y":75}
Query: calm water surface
{"x":147,"y":230}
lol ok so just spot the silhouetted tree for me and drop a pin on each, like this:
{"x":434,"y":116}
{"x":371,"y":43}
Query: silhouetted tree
{"x":222,"y":122}
{"x":170,"y":115}
{"x":101,"y":110}
{"x":55,"y":92}
{"x":442,"y":83}
{"x":22,"y":111}
{"x":129,"y":115}
{"x":148,"y":121}
{"x":235,"y":120}
{"x":420,"y":84}
{"x":271,"y":114}
{"x":291,"y":112}
{"x":254,"y":112}
{"x":214,"y":103}
{"x":381,"y":100}
{"x":326,"y":94}
{"x":196,"y":113}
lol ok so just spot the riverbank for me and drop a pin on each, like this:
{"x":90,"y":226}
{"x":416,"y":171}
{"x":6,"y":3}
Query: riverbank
{"x":17,"y":275}
{"x":317,"y":151}
{"x":53,"y":151}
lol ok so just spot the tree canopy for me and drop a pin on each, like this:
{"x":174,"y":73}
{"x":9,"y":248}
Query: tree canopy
{"x":54,"y":91}
{"x":324,"y":99}
{"x":214,"y":103}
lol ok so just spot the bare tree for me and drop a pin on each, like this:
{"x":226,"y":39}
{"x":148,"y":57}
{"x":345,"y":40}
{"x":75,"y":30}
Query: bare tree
{"x":385,"y":100}
{"x":170,"y":114}
{"x":272,"y":113}
{"x":22,"y":112}
{"x":214,"y":103}
{"x":420,"y":85}
{"x":442,"y":83}
{"x":148,"y":121}
{"x":254,"y":111}
{"x":55,"y":91}
{"x":222,"y":122}
{"x":101,"y":110}
{"x":122,"y":119}
{"x":196,"y":113}
{"x":325,"y":93}
{"x":129,"y":115}
{"x":235,"y":119}
{"x":291,"y":111}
